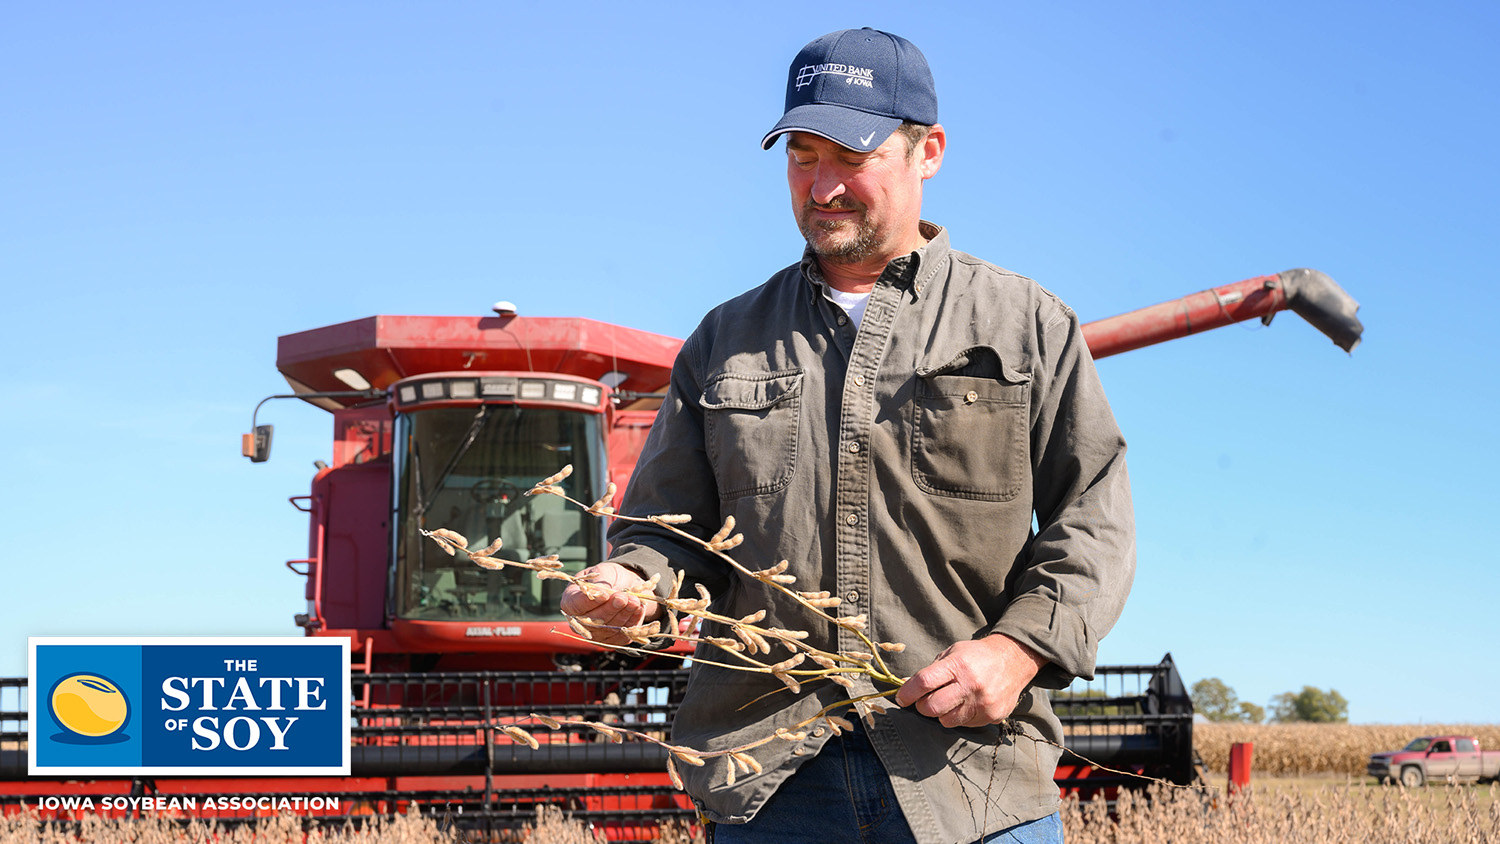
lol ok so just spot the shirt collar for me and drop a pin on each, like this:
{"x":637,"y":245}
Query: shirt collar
{"x":912,"y":271}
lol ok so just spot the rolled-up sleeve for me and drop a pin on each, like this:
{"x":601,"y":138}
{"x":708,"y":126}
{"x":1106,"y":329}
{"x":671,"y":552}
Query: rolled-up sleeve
{"x":673,"y":476}
{"x":1077,"y":570}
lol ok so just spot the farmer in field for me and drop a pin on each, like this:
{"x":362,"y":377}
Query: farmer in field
{"x":886,"y":414}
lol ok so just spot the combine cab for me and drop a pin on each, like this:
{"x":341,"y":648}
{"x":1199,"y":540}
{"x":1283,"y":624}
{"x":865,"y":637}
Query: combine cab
{"x":457,"y":418}
{"x":444,"y":422}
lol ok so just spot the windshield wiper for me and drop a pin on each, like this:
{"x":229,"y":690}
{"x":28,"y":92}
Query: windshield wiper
{"x":425,"y":497}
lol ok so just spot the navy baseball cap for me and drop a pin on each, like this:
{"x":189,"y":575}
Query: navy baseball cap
{"x":854,"y":87}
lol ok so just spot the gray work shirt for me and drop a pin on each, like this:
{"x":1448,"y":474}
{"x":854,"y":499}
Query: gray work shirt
{"x":898,"y":467}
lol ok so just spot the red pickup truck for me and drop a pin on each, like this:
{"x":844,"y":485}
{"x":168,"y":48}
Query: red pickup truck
{"x":1436,"y":757}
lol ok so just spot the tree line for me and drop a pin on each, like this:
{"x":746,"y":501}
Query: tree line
{"x":1216,"y":701}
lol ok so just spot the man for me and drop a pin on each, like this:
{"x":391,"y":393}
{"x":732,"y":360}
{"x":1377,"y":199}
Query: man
{"x":886,"y":415}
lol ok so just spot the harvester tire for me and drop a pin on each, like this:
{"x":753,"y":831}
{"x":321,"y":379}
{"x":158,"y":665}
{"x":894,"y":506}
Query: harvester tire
{"x":1411,"y":777}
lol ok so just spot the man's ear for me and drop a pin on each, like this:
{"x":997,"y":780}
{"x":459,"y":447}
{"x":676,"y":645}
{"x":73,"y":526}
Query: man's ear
{"x":932,"y":151}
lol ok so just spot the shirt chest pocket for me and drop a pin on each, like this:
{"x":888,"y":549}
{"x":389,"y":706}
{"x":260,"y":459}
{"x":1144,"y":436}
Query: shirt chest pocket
{"x":750,"y":428}
{"x":969,"y":428}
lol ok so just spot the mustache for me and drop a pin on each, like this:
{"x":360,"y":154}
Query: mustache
{"x":838,"y":203}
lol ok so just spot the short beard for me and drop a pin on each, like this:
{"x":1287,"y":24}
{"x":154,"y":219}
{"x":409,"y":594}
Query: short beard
{"x":852,"y":251}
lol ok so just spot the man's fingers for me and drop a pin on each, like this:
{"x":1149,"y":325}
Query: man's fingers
{"x":613,"y":612}
{"x":619,"y":610}
{"x":972,"y":683}
{"x":956,"y":705}
{"x":923,"y":683}
{"x":575,"y":601}
{"x":943,"y":703}
{"x":953,"y":705}
{"x":602,"y":598}
{"x":940,"y":691}
{"x":602,"y":601}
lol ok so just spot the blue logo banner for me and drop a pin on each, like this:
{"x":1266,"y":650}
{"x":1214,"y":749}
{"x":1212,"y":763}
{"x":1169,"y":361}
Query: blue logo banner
{"x":126,"y":706}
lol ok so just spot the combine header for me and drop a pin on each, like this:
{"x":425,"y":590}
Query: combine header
{"x":445,"y":422}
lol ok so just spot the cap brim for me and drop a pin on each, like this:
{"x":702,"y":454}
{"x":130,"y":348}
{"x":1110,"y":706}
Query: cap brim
{"x":857,"y":130}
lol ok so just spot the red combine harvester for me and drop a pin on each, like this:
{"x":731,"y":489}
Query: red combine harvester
{"x":445,"y":422}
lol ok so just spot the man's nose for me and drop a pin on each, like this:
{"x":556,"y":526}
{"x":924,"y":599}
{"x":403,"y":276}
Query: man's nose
{"x":827,"y":184}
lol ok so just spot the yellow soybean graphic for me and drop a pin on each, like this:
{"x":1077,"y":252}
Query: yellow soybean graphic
{"x":89,"y":705}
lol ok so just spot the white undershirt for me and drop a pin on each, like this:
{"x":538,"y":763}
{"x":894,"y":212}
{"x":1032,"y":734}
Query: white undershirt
{"x":852,"y":303}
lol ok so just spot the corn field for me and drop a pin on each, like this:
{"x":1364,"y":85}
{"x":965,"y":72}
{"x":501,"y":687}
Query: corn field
{"x":1308,"y":749}
{"x":1333,"y":815}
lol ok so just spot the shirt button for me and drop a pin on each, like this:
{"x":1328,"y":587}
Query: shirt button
{"x":843,"y":320}
{"x":853,"y":448}
{"x":859,"y":380}
{"x":852,"y":597}
{"x":851,"y":519}
{"x":970,"y":397}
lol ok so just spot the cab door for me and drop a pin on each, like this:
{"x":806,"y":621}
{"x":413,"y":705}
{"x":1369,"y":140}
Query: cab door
{"x":1441,"y":760}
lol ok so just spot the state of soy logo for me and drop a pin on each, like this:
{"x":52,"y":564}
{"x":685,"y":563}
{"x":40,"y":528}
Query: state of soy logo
{"x":90,"y":708}
{"x":240,"y":705}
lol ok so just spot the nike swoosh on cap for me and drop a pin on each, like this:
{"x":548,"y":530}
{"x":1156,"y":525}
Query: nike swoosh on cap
{"x":865,"y":141}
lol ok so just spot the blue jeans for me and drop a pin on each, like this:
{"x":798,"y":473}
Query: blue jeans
{"x":843,"y":796}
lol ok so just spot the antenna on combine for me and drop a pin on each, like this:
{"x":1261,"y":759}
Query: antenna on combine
{"x":505,"y":310}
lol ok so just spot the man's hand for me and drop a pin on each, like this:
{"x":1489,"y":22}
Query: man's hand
{"x":973,"y":684}
{"x":609,"y":604}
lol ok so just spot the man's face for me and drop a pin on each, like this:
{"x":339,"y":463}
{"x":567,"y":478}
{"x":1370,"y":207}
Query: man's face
{"x":855,"y":206}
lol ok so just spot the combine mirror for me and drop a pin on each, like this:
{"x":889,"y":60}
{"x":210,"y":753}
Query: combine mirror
{"x":257,"y":445}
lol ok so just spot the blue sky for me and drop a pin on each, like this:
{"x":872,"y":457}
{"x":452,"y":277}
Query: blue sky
{"x":182,"y":183}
